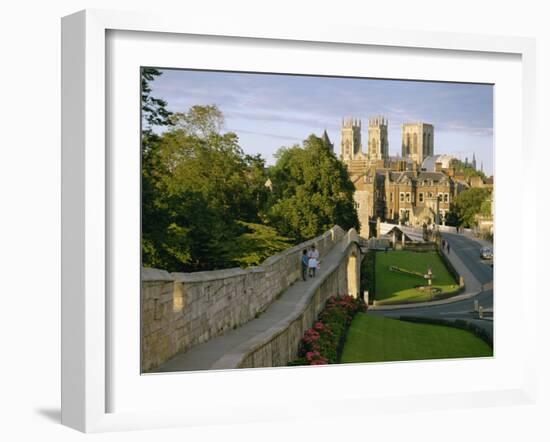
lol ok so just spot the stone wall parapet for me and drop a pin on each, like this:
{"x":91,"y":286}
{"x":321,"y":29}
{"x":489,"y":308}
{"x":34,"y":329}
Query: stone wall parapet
{"x":181,"y":310}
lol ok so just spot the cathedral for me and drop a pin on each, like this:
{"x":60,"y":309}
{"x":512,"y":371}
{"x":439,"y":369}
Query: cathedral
{"x":414,"y":189}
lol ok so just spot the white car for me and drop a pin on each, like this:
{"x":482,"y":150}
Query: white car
{"x":486,"y":253}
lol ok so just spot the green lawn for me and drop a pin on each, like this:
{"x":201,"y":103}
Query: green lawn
{"x":377,"y":339}
{"x":397,"y":287}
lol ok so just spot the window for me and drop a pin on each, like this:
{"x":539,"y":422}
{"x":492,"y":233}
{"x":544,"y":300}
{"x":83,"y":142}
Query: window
{"x":421,"y":197}
{"x":430,"y":195}
{"x":401,"y":197}
{"x":391,"y":196}
{"x":446,"y":198}
{"x":408,"y":197}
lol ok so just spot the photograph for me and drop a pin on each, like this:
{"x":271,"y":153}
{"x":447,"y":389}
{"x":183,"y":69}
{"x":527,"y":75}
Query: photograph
{"x":295,"y":220}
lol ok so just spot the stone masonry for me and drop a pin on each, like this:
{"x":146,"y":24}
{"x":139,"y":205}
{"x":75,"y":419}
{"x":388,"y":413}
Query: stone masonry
{"x":181,"y":310}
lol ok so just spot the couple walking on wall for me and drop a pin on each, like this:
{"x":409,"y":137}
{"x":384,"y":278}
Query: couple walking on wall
{"x":310,"y":262}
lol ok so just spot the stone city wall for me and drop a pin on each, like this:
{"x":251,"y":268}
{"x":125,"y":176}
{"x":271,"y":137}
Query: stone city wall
{"x":181,"y":310}
{"x":279,"y":345}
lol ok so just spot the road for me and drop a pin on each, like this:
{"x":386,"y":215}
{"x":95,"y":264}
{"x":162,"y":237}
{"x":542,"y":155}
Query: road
{"x":468,"y":252}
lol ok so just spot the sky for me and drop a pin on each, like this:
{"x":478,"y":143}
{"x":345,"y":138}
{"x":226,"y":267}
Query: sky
{"x":268,"y":111}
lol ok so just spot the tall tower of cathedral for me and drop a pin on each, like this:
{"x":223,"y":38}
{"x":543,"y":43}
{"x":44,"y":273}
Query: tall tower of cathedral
{"x":378,"y":139}
{"x":351,"y":139}
{"x":474,"y":163}
{"x":417,"y":141}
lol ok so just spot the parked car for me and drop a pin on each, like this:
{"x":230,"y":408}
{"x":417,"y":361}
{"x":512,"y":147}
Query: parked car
{"x":486,"y":253}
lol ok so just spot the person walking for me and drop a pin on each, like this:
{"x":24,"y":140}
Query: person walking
{"x":448,"y":248}
{"x":304,"y":263}
{"x":313,"y":261}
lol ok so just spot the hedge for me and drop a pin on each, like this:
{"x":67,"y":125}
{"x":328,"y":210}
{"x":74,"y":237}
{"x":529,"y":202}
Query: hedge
{"x":457,"y":323}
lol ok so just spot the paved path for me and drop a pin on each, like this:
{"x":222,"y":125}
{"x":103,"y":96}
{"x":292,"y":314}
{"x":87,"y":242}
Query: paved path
{"x":204,"y":356}
{"x":478,"y":278}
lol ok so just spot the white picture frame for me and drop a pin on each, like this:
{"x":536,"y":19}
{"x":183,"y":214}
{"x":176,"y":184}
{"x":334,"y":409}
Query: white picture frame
{"x":86,"y":353}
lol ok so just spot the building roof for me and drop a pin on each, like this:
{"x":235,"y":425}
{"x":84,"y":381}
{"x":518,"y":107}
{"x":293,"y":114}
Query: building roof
{"x":412,"y":233}
{"x":399,"y":158}
{"x":429,"y":162}
{"x":326,"y":139}
{"x":410,"y":175}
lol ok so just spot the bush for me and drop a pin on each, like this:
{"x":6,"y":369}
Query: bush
{"x":323,"y":343}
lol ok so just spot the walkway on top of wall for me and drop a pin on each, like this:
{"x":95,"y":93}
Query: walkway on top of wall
{"x":208,"y":355}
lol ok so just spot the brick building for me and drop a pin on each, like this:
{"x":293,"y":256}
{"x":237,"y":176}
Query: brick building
{"x":415,"y":189}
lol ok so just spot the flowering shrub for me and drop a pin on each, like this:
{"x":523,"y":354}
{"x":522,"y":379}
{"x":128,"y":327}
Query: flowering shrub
{"x":322,"y":343}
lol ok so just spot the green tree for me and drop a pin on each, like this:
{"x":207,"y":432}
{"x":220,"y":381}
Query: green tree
{"x":311,"y":191}
{"x":211,"y":198}
{"x":467,"y":205}
{"x":153,"y":110}
{"x":467,"y":170}
{"x":200,"y":121}
{"x":256,"y":244}
{"x":155,"y":219}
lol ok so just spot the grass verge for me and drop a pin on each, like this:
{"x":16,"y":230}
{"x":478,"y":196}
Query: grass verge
{"x":395,"y":287}
{"x":377,"y":339}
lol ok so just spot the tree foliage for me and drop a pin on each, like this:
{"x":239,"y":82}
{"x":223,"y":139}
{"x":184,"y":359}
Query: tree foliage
{"x":153,"y":110}
{"x":467,"y":170}
{"x":257,"y":243}
{"x":199,"y":121}
{"x":467,"y":205}
{"x":311,"y":192}
{"x":205,"y":203}
{"x":206,"y":200}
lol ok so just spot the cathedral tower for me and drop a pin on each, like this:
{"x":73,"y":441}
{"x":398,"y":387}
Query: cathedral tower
{"x":378,"y":139}
{"x":417,"y":141}
{"x":351,"y":139}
